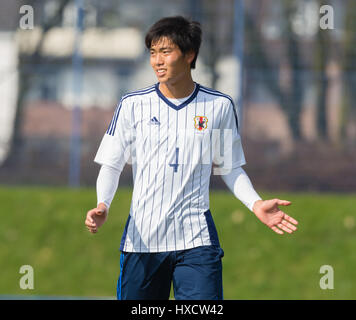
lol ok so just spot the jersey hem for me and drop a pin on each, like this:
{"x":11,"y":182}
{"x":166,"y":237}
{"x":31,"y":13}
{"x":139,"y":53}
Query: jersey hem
{"x":164,"y":249}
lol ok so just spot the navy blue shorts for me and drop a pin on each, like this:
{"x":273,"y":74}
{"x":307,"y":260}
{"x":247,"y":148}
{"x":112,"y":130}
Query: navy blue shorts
{"x":196,"y":275}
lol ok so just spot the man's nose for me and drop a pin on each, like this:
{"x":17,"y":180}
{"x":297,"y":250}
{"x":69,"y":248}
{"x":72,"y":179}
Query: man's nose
{"x":159,"y":60}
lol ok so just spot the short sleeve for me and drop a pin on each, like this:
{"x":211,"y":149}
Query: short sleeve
{"x":116,"y":145}
{"x":228,"y":152}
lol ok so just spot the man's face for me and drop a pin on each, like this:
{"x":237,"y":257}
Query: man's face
{"x":168,"y":61}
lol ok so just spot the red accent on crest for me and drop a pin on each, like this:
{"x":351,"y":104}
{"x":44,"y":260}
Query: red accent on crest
{"x":201,"y":123}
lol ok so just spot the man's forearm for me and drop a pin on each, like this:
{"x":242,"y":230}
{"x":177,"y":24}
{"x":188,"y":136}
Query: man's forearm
{"x":106,"y":184}
{"x":240,"y":185}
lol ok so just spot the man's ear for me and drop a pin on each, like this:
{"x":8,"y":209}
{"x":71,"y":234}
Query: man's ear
{"x":189,"y":56}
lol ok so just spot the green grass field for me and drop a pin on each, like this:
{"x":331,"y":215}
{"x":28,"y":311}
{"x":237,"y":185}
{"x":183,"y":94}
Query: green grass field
{"x":44,"y":227}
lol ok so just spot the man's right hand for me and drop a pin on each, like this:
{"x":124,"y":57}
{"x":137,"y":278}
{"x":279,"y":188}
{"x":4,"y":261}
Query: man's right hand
{"x":96,"y":217}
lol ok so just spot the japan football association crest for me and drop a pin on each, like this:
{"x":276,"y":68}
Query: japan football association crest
{"x":200,"y":122}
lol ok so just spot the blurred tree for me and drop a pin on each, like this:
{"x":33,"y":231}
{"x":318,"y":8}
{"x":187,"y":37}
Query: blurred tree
{"x":348,"y":113}
{"x":289,"y":97}
{"x":210,"y":27}
{"x":216,"y":18}
{"x":26,"y":74}
{"x":296,"y":89}
{"x":320,"y":66}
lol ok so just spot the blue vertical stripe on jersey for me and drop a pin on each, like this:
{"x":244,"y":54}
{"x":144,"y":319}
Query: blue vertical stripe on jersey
{"x":119,"y":284}
{"x":201,"y":237}
{"x":133,"y":115}
{"x":148,"y":180}
{"x":139,"y":198}
{"x":149,"y":234}
{"x":123,"y":238}
{"x":173,"y":176}
{"x":159,"y":144}
{"x":190,"y":212}
{"x":164,"y":177}
{"x":211,"y":135}
{"x":213,"y":234}
{"x":220,"y":118}
{"x":144,"y":157}
{"x":190,"y":201}
{"x":201,"y":169}
{"x":181,"y":178}
{"x":220,"y":131}
{"x":154,"y":188}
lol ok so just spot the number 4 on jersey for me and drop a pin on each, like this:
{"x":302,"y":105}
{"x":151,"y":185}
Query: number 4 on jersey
{"x":175,"y":165}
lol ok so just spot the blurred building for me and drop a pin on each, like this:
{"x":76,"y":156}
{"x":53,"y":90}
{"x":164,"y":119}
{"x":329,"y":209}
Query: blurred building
{"x":116,"y":62}
{"x":112,"y":48}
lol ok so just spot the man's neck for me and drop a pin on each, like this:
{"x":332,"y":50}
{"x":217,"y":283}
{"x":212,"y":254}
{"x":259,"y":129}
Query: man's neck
{"x":178,"y":90}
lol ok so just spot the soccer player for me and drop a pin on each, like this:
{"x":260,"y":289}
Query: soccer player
{"x":172,"y":132}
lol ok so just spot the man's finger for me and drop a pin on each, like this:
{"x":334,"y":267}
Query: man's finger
{"x":283,"y":202}
{"x":92,"y":230}
{"x":290,"y":219}
{"x":89,"y":220}
{"x":91,"y":213}
{"x":283,"y":227}
{"x":276,"y":230}
{"x":289,"y":225}
{"x":90,"y":223}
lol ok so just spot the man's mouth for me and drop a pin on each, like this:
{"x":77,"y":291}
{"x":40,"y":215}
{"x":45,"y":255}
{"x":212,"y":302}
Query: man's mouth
{"x":161,"y":72}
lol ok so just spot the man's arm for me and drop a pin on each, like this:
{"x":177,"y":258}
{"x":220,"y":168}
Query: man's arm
{"x":267,"y":211}
{"x":106,"y":186}
{"x":113,"y":152}
{"x":240,"y":185}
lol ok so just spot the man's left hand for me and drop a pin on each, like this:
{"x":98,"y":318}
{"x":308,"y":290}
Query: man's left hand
{"x":270,"y":214}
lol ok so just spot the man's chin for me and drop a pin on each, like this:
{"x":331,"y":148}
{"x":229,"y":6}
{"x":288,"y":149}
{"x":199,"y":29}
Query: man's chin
{"x":163,"y":80}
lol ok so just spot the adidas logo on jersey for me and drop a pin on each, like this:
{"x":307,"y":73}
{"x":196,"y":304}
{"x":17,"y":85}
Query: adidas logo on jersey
{"x":154,"y":121}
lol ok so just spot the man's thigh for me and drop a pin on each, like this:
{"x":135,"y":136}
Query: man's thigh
{"x":144,"y":276}
{"x":198,"y":274}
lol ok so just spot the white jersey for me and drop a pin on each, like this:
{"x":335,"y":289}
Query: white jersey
{"x":171,"y":148}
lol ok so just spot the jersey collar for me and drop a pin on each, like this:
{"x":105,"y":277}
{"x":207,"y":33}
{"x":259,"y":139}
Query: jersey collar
{"x":183,"y":104}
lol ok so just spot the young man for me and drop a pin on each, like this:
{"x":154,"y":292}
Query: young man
{"x":173,"y":131}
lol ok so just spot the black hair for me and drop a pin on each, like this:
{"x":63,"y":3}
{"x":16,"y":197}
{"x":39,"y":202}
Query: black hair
{"x":186,"y":34}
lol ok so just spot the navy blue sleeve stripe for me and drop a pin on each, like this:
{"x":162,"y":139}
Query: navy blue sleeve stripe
{"x":219,"y":94}
{"x":107,"y":131}
{"x":112,"y":126}
{"x":139,"y":93}
{"x":216,"y":93}
{"x":112,"y":121}
{"x":117,"y":116}
{"x":235,"y":114}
